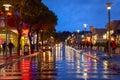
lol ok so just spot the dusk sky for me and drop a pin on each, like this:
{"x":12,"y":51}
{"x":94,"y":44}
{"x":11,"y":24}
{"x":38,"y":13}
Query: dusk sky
{"x":72,"y":14}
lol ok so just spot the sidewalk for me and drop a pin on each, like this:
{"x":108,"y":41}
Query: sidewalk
{"x":114,"y":61}
{"x":7,"y":60}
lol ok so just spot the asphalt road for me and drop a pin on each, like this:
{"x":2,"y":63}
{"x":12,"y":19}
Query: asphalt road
{"x":63,"y":63}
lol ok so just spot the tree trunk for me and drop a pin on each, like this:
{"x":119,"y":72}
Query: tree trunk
{"x":19,"y":45}
{"x":37,"y":43}
{"x":41,"y":36}
{"x":30,"y":40}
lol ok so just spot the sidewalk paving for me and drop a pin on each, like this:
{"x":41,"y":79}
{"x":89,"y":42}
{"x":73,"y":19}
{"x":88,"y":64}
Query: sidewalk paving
{"x":7,"y":60}
{"x":114,"y":61}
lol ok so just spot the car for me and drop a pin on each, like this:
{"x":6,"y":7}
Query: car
{"x":47,"y":47}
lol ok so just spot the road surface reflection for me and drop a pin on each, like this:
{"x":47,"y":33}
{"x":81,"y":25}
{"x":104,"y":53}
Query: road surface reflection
{"x":63,"y":63}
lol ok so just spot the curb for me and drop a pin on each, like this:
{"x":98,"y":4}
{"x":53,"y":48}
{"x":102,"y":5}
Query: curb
{"x":27,"y":56}
{"x":112,"y":66}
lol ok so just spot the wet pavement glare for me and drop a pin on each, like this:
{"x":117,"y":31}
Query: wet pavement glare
{"x":63,"y":63}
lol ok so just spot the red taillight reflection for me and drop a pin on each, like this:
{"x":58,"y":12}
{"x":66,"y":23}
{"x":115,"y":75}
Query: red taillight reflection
{"x":25,"y":68}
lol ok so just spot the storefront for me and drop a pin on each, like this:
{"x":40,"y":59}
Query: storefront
{"x":11,"y":36}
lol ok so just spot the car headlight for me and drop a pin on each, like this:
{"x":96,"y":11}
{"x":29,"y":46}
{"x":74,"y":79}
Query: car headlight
{"x":43,"y":47}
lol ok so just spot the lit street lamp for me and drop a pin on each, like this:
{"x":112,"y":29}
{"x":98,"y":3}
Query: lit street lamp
{"x":78,"y":38}
{"x":7,"y":6}
{"x":6,"y":9}
{"x":108,"y":29}
{"x":78,"y":31}
{"x":85,"y":25}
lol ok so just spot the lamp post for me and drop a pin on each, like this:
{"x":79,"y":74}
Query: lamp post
{"x":41,"y":36}
{"x":85,"y":25}
{"x":108,"y":29}
{"x":6,"y":10}
{"x":78,"y":38}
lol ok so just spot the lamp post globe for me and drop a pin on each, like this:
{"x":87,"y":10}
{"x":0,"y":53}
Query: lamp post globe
{"x":7,"y":6}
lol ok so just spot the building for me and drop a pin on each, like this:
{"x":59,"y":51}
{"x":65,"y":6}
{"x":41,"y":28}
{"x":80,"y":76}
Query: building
{"x":115,"y":27}
{"x":102,"y":34}
{"x":98,"y":35}
{"x":7,"y":27}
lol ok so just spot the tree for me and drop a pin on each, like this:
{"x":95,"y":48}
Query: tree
{"x":31,"y":12}
{"x":45,"y":21}
{"x":39,"y":17}
{"x":18,"y":9}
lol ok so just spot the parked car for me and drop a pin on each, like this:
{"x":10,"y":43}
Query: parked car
{"x":47,"y":47}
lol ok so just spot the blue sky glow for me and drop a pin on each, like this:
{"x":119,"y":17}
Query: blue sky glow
{"x":72,"y":14}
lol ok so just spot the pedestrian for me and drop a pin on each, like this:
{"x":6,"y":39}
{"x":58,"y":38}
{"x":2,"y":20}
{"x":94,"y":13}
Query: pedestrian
{"x":113,"y":45}
{"x":87,"y":44}
{"x":91,"y":45}
{"x":26,"y":49}
{"x":10,"y":46}
{"x":106,"y":46}
{"x":4,"y":47}
{"x":32,"y":48}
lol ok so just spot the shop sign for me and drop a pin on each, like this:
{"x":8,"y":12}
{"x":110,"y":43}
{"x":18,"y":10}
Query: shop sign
{"x":2,"y":22}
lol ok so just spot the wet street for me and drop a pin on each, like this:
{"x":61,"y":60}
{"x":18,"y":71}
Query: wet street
{"x":63,"y":63}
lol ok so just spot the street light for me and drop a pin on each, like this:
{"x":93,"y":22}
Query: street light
{"x":108,"y":29}
{"x":85,"y":25}
{"x":7,"y":6}
{"x":78,"y":38}
{"x":78,"y":31}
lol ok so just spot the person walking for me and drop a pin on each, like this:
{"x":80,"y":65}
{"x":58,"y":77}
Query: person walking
{"x":106,"y":47}
{"x":10,"y":46}
{"x":26,"y":49}
{"x":4,"y":47}
{"x":113,"y":45}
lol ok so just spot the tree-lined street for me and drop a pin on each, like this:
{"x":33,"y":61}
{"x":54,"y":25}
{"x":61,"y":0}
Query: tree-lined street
{"x":31,"y":48}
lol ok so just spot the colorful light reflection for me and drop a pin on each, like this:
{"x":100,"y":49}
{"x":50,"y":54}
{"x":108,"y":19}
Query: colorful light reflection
{"x":25,"y":68}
